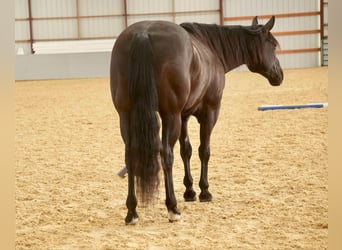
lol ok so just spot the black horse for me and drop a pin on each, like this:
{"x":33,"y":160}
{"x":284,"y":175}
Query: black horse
{"x":178,"y":71}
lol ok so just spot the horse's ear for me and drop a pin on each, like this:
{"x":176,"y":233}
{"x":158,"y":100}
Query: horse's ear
{"x":269,"y":25}
{"x":255,"y":21}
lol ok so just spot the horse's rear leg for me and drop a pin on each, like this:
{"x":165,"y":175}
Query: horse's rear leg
{"x":186,"y":152}
{"x":170,"y":133}
{"x":131,"y":202}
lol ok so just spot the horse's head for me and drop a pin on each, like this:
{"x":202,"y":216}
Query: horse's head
{"x":262,"y":49}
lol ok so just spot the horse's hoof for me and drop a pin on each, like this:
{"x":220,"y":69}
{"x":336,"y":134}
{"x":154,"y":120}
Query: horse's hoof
{"x":205,"y":196}
{"x":174,"y":215}
{"x":189,"y":195}
{"x":131,"y":219}
{"x":132,"y":222}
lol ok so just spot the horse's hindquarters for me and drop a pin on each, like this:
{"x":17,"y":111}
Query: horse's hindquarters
{"x":150,"y":71}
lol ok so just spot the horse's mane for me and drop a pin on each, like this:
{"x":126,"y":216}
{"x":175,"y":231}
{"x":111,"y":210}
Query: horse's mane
{"x":229,"y":41}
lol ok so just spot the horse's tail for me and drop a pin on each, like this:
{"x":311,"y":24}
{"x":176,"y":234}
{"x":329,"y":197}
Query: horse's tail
{"x":143,"y":138}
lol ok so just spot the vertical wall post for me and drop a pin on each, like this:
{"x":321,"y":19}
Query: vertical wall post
{"x":322,"y":30}
{"x":322,"y":18}
{"x":221,"y":12}
{"x":125,"y":13}
{"x":173,"y":11}
{"x":30,"y":25}
{"x":78,"y":19}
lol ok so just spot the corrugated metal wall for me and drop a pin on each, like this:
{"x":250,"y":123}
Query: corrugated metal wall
{"x":297,"y":21}
{"x":56,"y":20}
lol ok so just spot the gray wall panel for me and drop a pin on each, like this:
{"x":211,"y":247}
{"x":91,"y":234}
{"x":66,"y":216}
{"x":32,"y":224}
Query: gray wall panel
{"x":62,"y":66}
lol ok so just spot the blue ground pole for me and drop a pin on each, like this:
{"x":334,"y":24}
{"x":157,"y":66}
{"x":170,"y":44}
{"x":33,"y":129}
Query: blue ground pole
{"x":309,"y":105}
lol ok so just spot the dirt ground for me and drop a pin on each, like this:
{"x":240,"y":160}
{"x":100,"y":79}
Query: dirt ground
{"x":268,"y":170}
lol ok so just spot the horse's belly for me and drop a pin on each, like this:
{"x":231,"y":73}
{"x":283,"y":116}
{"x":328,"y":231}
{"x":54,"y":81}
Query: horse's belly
{"x":196,"y":97}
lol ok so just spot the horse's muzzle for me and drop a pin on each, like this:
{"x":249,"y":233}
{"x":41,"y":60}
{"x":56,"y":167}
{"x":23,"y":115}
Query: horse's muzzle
{"x":276,"y":78}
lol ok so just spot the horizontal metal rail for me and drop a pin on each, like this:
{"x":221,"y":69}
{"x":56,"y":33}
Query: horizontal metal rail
{"x":285,"y":15}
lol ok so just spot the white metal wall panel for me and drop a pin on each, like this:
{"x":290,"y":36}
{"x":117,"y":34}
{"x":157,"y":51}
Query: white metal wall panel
{"x":297,"y":23}
{"x":93,"y":27}
{"x":148,"y":6}
{"x":234,"y":8}
{"x":21,"y":9}
{"x":62,"y":29}
{"x":303,"y":42}
{"x":195,"y":5}
{"x":288,"y":61}
{"x":134,"y":19}
{"x":198,"y":17}
{"x":101,"y":27}
{"x":157,"y":6}
{"x":53,"y":8}
{"x":300,"y":60}
{"x":22,"y":30}
{"x":285,"y":24}
{"x":102,"y":7}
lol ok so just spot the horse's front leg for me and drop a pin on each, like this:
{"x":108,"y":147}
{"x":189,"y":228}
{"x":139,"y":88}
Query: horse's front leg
{"x":186,"y":152}
{"x":207,"y":122}
{"x":170,"y":133}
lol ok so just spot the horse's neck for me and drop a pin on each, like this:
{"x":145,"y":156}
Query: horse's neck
{"x":227,"y":43}
{"x":235,"y":47}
